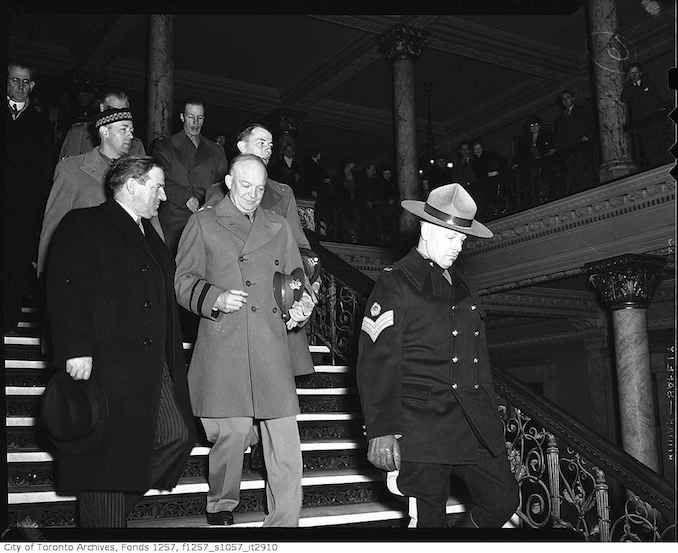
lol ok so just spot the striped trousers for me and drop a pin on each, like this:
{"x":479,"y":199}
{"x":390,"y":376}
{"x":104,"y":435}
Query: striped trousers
{"x":109,"y":509}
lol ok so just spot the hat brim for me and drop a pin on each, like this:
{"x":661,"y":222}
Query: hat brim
{"x":61,"y":383}
{"x":416,"y":207}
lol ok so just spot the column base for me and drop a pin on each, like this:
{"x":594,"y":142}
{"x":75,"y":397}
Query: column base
{"x":610,"y":170}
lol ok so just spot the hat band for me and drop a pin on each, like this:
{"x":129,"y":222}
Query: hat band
{"x":446,"y":218}
{"x":111,"y":116}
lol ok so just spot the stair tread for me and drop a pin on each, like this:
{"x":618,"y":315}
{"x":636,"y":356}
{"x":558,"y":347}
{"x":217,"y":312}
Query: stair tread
{"x":322,"y":515}
{"x":199,"y":485}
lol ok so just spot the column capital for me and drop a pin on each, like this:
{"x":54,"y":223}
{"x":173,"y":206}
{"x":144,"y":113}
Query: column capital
{"x":286,"y":121}
{"x":627,"y":281}
{"x":402,"y":41}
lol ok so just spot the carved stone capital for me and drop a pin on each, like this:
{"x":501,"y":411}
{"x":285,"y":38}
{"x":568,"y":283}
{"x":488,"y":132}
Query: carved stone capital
{"x":627,"y":281}
{"x":286,"y":121}
{"x":402,"y":41}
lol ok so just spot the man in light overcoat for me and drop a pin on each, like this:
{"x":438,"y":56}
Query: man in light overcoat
{"x":241,"y":370}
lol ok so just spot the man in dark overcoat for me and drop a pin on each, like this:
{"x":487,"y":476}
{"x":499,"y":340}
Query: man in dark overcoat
{"x":111,"y":303}
{"x":424,"y":376}
{"x":28,"y":170}
{"x":241,"y":370}
{"x":192,"y":164}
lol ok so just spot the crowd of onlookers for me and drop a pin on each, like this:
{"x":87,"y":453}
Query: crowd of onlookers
{"x":355,"y":202}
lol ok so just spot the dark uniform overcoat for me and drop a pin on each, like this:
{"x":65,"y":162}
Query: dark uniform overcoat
{"x":423,"y":369}
{"x":110,"y":295}
{"x":189,"y":172}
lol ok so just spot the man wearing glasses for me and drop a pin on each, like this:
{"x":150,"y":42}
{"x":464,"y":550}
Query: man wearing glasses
{"x":28,"y":166}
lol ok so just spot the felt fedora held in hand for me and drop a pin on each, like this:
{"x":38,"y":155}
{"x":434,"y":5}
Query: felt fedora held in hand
{"x":449,"y":206}
{"x":287,"y":289}
{"x":74,"y":413}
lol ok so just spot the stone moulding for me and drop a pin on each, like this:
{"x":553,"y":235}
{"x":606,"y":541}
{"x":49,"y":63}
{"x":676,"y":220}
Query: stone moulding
{"x":634,"y":193}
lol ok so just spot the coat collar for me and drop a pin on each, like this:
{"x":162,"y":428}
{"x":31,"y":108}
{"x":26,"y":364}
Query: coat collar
{"x":254,"y":235}
{"x":182,"y":143}
{"x":128,"y":227}
{"x":95,"y":165}
{"x":273,"y":194}
{"x":419,"y":271}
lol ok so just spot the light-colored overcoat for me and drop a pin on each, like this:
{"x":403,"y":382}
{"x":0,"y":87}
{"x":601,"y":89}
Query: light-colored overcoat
{"x":78,"y":182}
{"x":241,"y":364}
{"x":279,"y":198}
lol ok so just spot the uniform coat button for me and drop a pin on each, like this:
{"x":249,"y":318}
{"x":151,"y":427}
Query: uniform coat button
{"x":147,"y":304}
{"x":476,"y":386}
{"x":473,"y":307}
{"x":476,"y":333}
{"x":275,"y":310}
{"x":148,"y":342}
{"x":241,"y":258}
{"x":475,"y":359}
{"x":277,"y":262}
{"x":454,"y":386}
{"x":248,"y":283}
{"x":455,"y":332}
{"x":455,"y":359}
{"x":144,"y":268}
{"x":254,"y":309}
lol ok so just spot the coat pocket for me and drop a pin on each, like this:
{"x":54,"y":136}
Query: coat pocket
{"x":419,"y":392}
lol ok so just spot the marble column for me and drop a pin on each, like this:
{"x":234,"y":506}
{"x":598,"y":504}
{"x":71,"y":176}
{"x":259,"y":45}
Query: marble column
{"x":607,"y":53}
{"x":626,"y":284}
{"x":401,"y":46}
{"x":160,"y":76}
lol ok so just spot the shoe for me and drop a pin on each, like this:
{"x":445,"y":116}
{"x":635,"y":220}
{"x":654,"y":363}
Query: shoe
{"x":220,"y":518}
{"x":256,"y":456}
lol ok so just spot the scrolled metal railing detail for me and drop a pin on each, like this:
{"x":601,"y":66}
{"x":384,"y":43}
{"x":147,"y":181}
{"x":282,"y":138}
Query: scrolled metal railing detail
{"x":640,"y":522}
{"x":339,"y":306}
{"x":557,"y":490}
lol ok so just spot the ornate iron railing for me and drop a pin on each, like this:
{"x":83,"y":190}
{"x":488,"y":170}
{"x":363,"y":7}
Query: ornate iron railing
{"x":562,"y":467}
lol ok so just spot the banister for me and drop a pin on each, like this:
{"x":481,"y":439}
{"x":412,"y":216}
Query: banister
{"x":633,"y":474}
{"x":611,"y":459}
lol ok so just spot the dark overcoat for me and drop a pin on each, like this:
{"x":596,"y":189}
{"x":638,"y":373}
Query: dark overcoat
{"x":110,"y":295}
{"x":241,"y":364}
{"x":28,"y":165}
{"x":423,"y":369}
{"x":189,"y":172}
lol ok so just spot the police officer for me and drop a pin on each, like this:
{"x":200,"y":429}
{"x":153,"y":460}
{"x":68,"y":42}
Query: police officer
{"x":424,"y":375}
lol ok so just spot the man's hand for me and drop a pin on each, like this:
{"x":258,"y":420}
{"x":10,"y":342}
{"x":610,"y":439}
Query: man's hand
{"x":230,"y":301}
{"x":384,"y":452}
{"x":80,"y":368}
{"x":301,"y":310}
{"x":193,"y":204}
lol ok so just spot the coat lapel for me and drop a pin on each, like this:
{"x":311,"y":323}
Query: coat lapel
{"x":272,"y":194}
{"x":204,"y":152}
{"x":263,"y":229}
{"x":95,"y":165}
{"x":127,"y":225}
{"x":231,"y":219}
{"x":254,"y":235}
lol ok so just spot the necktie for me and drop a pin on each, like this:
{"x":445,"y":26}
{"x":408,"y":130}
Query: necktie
{"x":141,"y":227}
{"x":447,"y":276}
{"x":14,"y":110}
